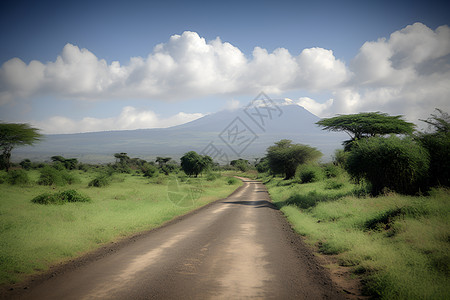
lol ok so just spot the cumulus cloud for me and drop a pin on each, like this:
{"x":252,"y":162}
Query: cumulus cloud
{"x":129,"y":118}
{"x":407,"y":74}
{"x":186,"y":66}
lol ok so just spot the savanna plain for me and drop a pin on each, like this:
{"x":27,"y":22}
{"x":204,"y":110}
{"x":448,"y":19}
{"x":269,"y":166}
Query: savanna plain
{"x":397,"y":246}
{"x":35,"y":235}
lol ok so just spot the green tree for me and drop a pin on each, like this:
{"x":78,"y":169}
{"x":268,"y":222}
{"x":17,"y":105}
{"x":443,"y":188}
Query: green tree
{"x":437,"y":142}
{"x":193,"y":163}
{"x":263,"y":165}
{"x":161,"y":161}
{"x":364,"y":125}
{"x":284,"y":157}
{"x":240,"y":164}
{"x":68,"y":163}
{"x":121,"y":158}
{"x":401,"y":165}
{"x":12,"y":135}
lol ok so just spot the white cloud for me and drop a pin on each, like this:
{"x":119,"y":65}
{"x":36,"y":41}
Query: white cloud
{"x":186,"y":66}
{"x":129,"y":118}
{"x":407,"y":74}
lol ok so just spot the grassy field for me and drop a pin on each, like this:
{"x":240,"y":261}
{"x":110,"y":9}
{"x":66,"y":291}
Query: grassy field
{"x":35,"y":236}
{"x":398,"y":245}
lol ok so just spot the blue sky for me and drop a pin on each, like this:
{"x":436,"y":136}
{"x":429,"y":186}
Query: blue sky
{"x":328,"y":56}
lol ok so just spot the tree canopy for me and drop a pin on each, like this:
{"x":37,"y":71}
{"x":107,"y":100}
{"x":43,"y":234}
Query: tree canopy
{"x":193,"y":163}
{"x":363,"y":125}
{"x":12,"y":135}
{"x":284,"y":157}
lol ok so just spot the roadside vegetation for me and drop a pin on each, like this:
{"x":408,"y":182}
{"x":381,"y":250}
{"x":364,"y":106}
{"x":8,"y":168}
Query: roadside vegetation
{"x":52,"y":212}
{"x":381,"y":208}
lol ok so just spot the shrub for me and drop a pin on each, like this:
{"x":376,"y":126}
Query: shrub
{"x":52,"y":176}
{"x":161,"y":179}
{"x":17,"y":177}
{"x":26,"y":164}
{"x":309,"y":173}
{"x":68,"y":177}
{"x":60,"y":198}
{"x":212,"y":176}
{"x":232,"y":180}
{"x":309,"y":200}
{"x":149,"y":170}
{"x":333,"y":185}
{"x":263,"y":166}
{"x":340,"y":157}
{"x":438,"y":145}
{"x":100,"y":181}
{"x":400,"y":165}
{"x":332,"y":171}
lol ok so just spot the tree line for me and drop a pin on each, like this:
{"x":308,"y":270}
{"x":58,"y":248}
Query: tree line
{"x":383,"y":150}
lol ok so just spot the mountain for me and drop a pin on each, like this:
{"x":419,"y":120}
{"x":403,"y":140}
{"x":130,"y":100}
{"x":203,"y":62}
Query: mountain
{"x":224,"y":135}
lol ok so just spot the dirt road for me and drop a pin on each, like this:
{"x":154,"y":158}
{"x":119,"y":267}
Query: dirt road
{"x":239,"y":247}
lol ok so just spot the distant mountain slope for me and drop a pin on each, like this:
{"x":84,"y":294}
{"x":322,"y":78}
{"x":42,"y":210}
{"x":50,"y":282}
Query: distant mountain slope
{"x":219,"y":130}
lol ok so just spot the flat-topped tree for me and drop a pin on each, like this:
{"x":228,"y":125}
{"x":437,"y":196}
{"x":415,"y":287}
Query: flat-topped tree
{"x":364,"y":125}
{"x":12,"y":135}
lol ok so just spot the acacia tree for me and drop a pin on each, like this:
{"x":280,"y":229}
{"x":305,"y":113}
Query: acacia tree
{"x":12,"y":135}
{"x":284,"y":157}
{"x":364,"y":125}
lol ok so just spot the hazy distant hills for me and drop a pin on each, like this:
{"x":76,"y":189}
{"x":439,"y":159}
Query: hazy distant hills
{"x":224,"y":135}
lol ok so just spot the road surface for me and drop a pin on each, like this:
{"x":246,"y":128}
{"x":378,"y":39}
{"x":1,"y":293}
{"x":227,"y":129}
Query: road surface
{"x":237,"y":248}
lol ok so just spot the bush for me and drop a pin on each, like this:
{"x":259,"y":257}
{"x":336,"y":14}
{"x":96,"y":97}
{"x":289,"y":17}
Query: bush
{"x":309,"y":173}
{"x":438,"y":145}
{"x":26,"y":164}
{"x":17,"y":177}
{"x":333,"y":185}
{"x":263,"y":166}
{"x":332,"y":171}
{"x":400,"y":165}
{"x":69,"y":178}
{"x":340,"y":157}
{"x":100,"y":181}
{"x":212,"y":176}
{"x":232,"y":180}
{"x":60,"y":198}
{"x":52,"y":176}
{"x":149,"y":170}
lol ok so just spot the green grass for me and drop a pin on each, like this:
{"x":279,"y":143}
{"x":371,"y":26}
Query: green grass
{"x":399,"y":245}
{"x":35,"y":236}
